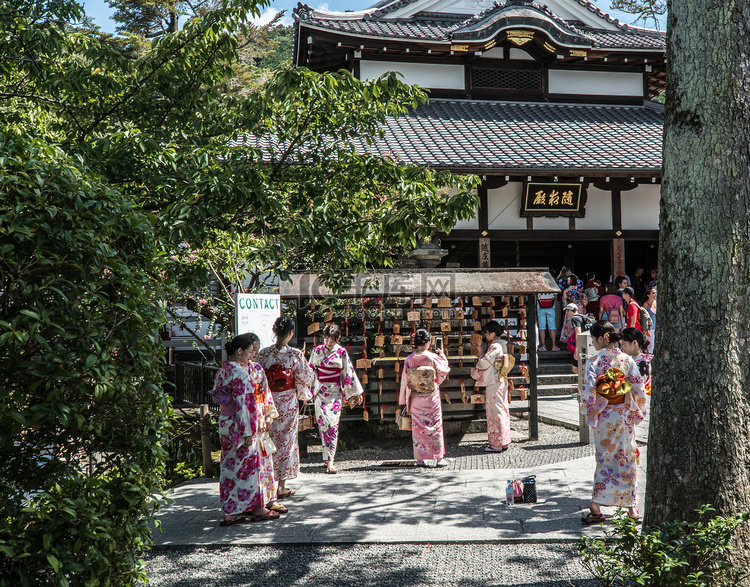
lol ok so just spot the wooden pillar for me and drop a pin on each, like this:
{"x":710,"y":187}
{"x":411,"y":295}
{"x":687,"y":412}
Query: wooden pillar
{"x":585,"y":351}
{"x":532,"y":356}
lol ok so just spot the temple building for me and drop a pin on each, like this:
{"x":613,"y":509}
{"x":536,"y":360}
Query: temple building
{"x":550,"y":104}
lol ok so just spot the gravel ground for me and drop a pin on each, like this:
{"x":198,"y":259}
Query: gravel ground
{"x":360,"y":565}
{"x":555,"y":444}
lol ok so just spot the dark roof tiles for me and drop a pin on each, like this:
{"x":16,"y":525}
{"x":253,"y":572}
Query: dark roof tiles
{"x":509,"y":136}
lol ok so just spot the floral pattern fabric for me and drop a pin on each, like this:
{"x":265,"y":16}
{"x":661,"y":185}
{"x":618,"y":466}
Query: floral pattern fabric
{"x":426,"y":414}
{"x":266,"y":407}
{"x":615,"y":478}
{"x":285,"y":428}
{"x":496,"y":403}
{"x":240,"y":484}
{"x":329,"y":396}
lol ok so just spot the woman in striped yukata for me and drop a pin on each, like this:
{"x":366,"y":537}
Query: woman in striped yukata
{"x":335,"y":380}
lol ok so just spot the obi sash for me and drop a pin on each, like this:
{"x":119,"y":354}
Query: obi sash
{"x":329,"y":374}
{"x":279,"y":379}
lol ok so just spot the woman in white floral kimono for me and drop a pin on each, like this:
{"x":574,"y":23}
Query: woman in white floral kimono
{"x":614,"y":401}
{"x":246,"y":470}
{"x":289,"y":378}
{"x":335,"y":379}
{"x":494,"y":366}
{"x":423,"y":373}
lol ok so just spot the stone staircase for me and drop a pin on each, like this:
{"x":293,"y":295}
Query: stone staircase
{"x":555,"y":375}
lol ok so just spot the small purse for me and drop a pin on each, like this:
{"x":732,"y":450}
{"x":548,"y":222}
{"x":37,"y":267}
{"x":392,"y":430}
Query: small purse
{"x":267,"y":446}
{"x":403,"y":420}
{"x":306,"y":419}
{"x":529,"y":489}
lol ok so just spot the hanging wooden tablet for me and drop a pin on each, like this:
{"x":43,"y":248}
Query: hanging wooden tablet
{"x":505,"y":311}
{"x":445,"y":327}
{"x":477,"y":326}
{"x":524,"y":395}
{"x":491,"y":314}
{"x":382,"y":353}
{"x":312,"y":328}
{"x":328,"y":316}
{"x":487,"y":300}
{"x":364,"y":363}
{"x":397,"y":339}
{"x":413,"y":316}
{"x":380,"y":372}
{"x":427,"y":315}
{"x":365,"y":415}
{"x":312,"y":304}
{"x":382,"y":411}
{"x":444,"y":302}
{"x":445,"y":314}
{"x":525,"y":372}
{"x":522,"y":312}
{"x":397,"y":367}
{"x":427,"y":302}
{"x":379,"y":340}
{"x":521,"y":301}
{"x":380,"y":386}
{"x":364,"y":379}
{"x":459,"y":314}
{"x":506,"y":300}
{"x":447,"y":397}
{"x":464,"y":399}
{"x":523,"y":349}
{"x":523,"y":335}
{"x":396,"y":328}
{"x":476,"y":301}
{"x":477,"y":398}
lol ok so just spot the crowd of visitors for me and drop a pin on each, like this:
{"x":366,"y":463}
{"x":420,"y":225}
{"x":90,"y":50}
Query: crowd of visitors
{"x":259,"y":393}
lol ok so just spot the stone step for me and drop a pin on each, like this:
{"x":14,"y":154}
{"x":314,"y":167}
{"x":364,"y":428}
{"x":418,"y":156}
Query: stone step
{"x":557,"y":389}
{"x":550,"y":368}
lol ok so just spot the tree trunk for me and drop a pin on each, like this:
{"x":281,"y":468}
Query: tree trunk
{"x":699,"y":448}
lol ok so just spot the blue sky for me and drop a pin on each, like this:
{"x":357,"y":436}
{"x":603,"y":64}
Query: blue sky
{"x":100,"y":10}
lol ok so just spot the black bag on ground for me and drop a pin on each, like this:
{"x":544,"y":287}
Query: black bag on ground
{"x":529,"y":489}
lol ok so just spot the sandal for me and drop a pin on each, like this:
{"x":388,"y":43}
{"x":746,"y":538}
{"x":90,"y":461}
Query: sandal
{"x":554,"y":348}
{"x":492,"y":449}
{"x":269,"y":515}
{"x":277,"y":507}
{"x":593,"y":518}
{"x":288,"y":493}
{"x":541,"y":349}
{"x":232,"y":521}
{"x":332,"y":470}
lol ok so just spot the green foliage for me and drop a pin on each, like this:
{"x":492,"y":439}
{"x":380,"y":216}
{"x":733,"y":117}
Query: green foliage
{"x":81,"y":405}
{"x":670,"y":554}
{"x":280,"y":54}
{"x":647,"y":11}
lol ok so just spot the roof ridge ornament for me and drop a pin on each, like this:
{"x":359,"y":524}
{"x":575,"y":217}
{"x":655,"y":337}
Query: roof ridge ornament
{"x":302,"y":11}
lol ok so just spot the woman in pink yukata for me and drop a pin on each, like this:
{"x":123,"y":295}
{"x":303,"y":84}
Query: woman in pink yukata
{"x":497,"y":365}
{"x":246,"y":470}
{"x":423,"y":373}
{"x":613,"y":400}
{"x":289,"y":378}
{"x":335,"y":381}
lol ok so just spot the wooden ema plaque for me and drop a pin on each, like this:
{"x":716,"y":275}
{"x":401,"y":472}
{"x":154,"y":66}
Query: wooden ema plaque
{"x":329,"y":316}
{"x":476,"y":339}
{"x":397,"y":339}
{"x":364,"y":363}
{"x":426,"y":314}
{"x":445,"y":326}
{"x":396,"y":328}
{"x":313,"y":328}
{"x":413,"y":316}
{"x":427,"y":302}
{"x":477,"y":326}
{"x":444,"y":302}
{"x":476,"y":301}
{"x":379,"y":340}
{"x":459,"y":314}
{"x":477,"y":398}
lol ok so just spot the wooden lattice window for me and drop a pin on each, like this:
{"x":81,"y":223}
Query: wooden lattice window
{"x":507,"y":79}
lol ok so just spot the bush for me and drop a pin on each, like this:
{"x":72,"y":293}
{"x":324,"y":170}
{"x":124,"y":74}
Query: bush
{"x":82,"y":410}
{"x":670,"y":554}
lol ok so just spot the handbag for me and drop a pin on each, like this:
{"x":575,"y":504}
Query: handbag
{"x":403,"y":420}
{"x":517,"y":491}
{"x":529,"y":489}
{"x":267,"y":446}
{"x":306,"y":419}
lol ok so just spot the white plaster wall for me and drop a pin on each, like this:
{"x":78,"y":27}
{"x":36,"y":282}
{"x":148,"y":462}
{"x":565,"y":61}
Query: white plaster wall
{"x":520,"y":54}
{"x":609,"y":83}
{"x":640,"y":208}
{"x":504,"y":207}
{"x":543,"y":223}
{"x":437,"y":76}
{"x":598,"y":211}
{"x":472,"y":224}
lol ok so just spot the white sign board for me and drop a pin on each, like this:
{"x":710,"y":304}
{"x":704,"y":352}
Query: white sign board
{"x":257,"y":313}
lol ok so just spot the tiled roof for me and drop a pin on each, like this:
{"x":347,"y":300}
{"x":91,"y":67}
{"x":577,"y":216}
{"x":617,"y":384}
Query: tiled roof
{"x":443,"y":27}
{"x":507,"y":136}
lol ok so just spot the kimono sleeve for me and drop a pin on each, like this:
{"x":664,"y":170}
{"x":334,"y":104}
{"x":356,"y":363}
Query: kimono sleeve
{"x":636,"y":400}
{"x":404,"y":392}
{"x":487,"y":360}
{"x":244,"y":397}
{"x":303,"y":377}
{"x":592,"y":404}
{"x":441,"y":366}
{"x":350,"y":384}
{"x":270,"y":405}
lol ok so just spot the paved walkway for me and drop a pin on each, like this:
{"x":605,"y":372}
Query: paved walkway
{"x":405,"y":505}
